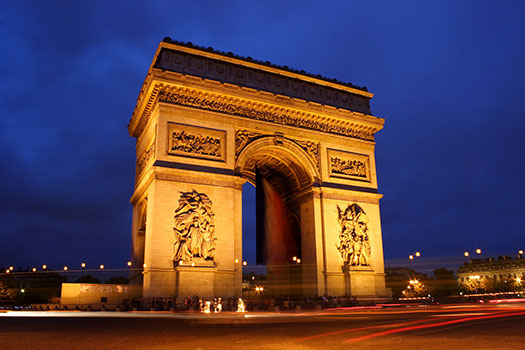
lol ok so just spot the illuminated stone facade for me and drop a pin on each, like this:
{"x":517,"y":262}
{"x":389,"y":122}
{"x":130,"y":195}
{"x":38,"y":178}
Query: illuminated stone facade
{"x":203,"y":122}
{"x":503,"y":269}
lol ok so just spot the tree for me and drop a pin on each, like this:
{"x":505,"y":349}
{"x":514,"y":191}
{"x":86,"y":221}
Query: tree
{"x":444,"y":282}
{"x":88,"y":279}
{"x":118,"y":280}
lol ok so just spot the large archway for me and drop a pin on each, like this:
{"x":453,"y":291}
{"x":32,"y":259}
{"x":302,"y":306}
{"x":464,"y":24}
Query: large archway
{"x":289,"y":175}
{"x":205,"y":124}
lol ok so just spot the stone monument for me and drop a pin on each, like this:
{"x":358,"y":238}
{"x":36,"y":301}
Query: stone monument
{"x":204,"y":122}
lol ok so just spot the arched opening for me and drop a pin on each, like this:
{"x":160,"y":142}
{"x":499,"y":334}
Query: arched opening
{"x":282,"y":173}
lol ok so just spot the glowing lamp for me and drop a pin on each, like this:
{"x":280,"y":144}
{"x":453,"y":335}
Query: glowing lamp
{"x":236,"y":261}
{"x":410,"y":257}
{"x":466,"y":254}
{"x":244,"y":263}
{"x":83,"y":265}
{"x":102,"y":267}
{"x":44,"y":266}
{"x":65,"y":268}
{"x":33,"y":269}
{"x":129,"y":263}
{"x":418,"y":254}
{"x":478,"y":251}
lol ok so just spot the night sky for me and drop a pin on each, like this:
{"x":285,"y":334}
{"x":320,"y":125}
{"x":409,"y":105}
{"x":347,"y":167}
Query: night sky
{"x":447,"y":77}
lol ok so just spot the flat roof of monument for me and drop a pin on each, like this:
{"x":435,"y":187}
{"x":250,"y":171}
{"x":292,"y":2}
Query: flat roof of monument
{"x":362,"y":89}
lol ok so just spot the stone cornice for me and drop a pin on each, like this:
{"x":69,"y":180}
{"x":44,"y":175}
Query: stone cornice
{"x":195,"y":92}
{"x":232,"y":70}
{"x":250,"y":62}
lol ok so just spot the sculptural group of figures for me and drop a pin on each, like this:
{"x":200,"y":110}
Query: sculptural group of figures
{"x":348,"y":167}
{"x":188,"y":143}
{"x":354,"y":244}
{"x":194,"y":228}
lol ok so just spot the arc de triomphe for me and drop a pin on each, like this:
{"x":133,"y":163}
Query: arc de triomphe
{"x":204,"y":121}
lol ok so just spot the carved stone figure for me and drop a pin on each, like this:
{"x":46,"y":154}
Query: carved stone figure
{"x":242,"y":138}
{"x":194,"y":228}
{"x":354,"y":244}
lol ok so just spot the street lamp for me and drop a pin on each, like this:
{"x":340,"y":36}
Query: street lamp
{"x":466,"y":254}
{"x":478,"y":251}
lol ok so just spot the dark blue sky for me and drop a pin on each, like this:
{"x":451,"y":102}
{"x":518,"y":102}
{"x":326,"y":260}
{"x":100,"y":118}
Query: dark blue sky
{"x":447,"y":76}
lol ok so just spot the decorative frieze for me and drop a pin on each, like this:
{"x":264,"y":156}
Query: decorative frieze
{"x":197,"y":142}
{"x":266,"y":113}
{"x":349,"y":165}
{"x":354,"y":244}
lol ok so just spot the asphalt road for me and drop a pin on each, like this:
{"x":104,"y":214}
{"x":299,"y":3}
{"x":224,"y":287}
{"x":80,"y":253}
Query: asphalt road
{"x":458,"y":327}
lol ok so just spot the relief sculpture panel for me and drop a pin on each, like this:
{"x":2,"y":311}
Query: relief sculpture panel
{"x":354,"y":244}
{"x":194,"y":230}
{"x":349,"y":165}
{"x":197,"y":142}
{"x":144,"y":159}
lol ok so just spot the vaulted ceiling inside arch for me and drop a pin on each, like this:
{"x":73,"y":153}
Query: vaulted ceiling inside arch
{"x":286,"y":176}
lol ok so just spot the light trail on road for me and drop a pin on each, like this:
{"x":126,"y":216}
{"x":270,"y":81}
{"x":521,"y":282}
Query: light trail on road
{"x":432,"y":325}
